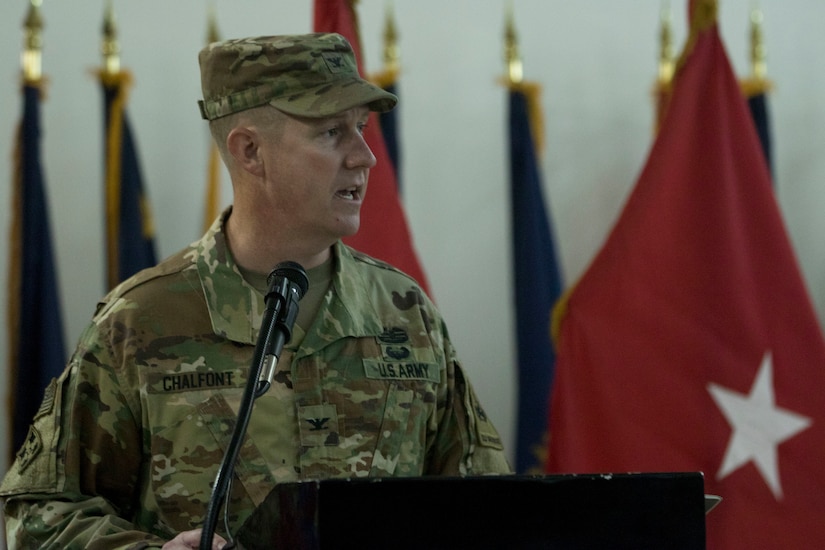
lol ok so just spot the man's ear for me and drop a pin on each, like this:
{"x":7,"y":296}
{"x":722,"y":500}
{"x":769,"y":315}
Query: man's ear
{"x":244,"y":145}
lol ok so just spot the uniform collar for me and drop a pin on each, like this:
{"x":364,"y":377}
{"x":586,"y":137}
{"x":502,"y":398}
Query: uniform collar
{"x":236,"y":308}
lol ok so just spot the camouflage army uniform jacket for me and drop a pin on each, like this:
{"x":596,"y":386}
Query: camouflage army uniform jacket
{"x":127,"y":442}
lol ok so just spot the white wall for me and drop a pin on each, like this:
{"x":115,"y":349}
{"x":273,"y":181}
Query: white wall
{"x":595,"y":59}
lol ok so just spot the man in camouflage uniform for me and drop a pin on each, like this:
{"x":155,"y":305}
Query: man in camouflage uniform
{"x":127,"y":443}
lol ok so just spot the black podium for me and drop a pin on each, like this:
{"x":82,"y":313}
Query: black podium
{"x":617,"y":511}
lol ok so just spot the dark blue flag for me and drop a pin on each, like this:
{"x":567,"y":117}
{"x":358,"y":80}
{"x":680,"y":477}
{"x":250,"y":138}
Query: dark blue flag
{"x":389,"y":129}
{"x":36,"y":327}
{"x":758,"y":104}
{"x":537,"y":284}
{"x":130,"y":240}
{"x":757,"y":86}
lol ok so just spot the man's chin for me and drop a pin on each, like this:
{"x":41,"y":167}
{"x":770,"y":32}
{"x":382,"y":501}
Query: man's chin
{"x":350,"y":228}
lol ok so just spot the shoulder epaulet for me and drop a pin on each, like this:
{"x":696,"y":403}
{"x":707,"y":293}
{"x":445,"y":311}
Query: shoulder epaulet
{"x":173,"y":264}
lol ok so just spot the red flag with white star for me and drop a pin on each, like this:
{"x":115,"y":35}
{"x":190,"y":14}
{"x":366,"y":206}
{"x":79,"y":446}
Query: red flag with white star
{"x":690,"y":343}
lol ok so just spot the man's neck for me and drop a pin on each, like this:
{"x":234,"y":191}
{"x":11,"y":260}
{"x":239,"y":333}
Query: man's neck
{"x":261,"y":254}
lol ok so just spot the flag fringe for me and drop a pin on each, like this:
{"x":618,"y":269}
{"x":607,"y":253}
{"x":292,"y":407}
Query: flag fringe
{"x":661,"y":94}
{"x":14,"y":283}
{"x":213,"y":185}
{"x":557,"y":316}
{"x":119,"y":83}
{"x":532,"y":93}
{"x":384,"y":79}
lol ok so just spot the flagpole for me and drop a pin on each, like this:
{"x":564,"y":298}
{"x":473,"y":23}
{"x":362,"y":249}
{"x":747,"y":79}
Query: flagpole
{"x":756,"y":86}
{"x":213,"y":175}
{"x":31,"y":59}
{"x":759,"y":68}
{"x":110,"y":75}
{"x":514,"y":80}
{"x":110,"y":48}
{"x":511,"y":50}
{"x":757,"y":82}
{"x":392,"y":52}
{"x":666,"y":64}
{"x":387,"y":79}
{"x":666,"y":44}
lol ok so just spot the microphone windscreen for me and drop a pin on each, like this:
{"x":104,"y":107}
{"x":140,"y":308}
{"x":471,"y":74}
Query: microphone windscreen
{"x":292,"y":271}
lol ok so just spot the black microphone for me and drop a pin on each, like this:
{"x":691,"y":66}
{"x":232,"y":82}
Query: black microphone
{"x":288,"y":283}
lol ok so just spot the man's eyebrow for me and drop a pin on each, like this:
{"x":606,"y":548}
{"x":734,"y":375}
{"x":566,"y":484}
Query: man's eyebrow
{"x":341,"y":117}
{"x":327,"y":119}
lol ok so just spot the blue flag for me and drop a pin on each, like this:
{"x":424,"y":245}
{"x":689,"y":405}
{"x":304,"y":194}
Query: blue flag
{"x":537,"y":284}
{"x":130,"y":240}
{"x":389,"y":129}
{"x":37,"y":350}
{"x":758,"y":104}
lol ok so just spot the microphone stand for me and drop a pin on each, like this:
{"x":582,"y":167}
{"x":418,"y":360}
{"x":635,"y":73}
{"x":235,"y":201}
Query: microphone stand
{"x":288,"y":284}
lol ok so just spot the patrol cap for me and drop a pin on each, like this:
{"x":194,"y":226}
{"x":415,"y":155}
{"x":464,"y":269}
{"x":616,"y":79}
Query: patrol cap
{"x":311,"y":75}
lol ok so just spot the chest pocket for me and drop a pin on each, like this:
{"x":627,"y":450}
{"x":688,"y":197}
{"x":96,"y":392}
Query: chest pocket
{"x":375,"y":414}
{"x":186,"y":456}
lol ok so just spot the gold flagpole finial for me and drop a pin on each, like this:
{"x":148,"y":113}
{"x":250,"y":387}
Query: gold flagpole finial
{"x":110,"y":48}
{"x":704,"y":14}
{"x":212,"y":34}
{"x":31,"y":59}
{"x":667,"y":64}
{"x":759,"y":67}
{"x":392,"y":53}
{"x":515,"y":71}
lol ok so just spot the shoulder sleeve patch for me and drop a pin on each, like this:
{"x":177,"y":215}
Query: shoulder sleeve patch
{"x":35,"y":467}
{"x":485,"y":431}
{"x":32,"y":446}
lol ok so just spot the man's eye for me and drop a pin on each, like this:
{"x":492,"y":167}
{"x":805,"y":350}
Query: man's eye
{"x":362,"y":127}
{"x":332,"y":132}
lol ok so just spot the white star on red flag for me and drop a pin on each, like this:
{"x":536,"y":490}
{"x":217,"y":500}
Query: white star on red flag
{"x":759,"y":426}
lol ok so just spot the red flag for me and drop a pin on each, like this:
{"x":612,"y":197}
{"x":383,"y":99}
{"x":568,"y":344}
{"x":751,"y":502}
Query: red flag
{"x":384,"y":232}
{"x":690,"y":342}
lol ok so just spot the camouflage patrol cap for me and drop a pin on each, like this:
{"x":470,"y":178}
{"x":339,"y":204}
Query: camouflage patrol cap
{"x":312,"y":75}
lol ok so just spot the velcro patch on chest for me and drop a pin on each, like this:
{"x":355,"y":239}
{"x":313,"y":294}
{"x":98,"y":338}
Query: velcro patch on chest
{"x":377,"y":369}
{"x":174,"y":382}
{"x":318,"y":425}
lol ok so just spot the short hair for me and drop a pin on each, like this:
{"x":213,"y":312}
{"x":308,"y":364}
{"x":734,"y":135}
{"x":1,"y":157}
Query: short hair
{"x":270,"y":119}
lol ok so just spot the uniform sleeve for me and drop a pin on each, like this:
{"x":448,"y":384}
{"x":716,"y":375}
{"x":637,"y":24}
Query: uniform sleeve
{"x":73,"y":483}
{"x":467,"y":442}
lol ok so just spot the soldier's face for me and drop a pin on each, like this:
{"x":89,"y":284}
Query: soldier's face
{"x":317,"y":171}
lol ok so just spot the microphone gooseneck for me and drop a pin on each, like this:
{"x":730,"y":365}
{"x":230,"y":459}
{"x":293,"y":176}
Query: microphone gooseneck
{"x":288,"y":283}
